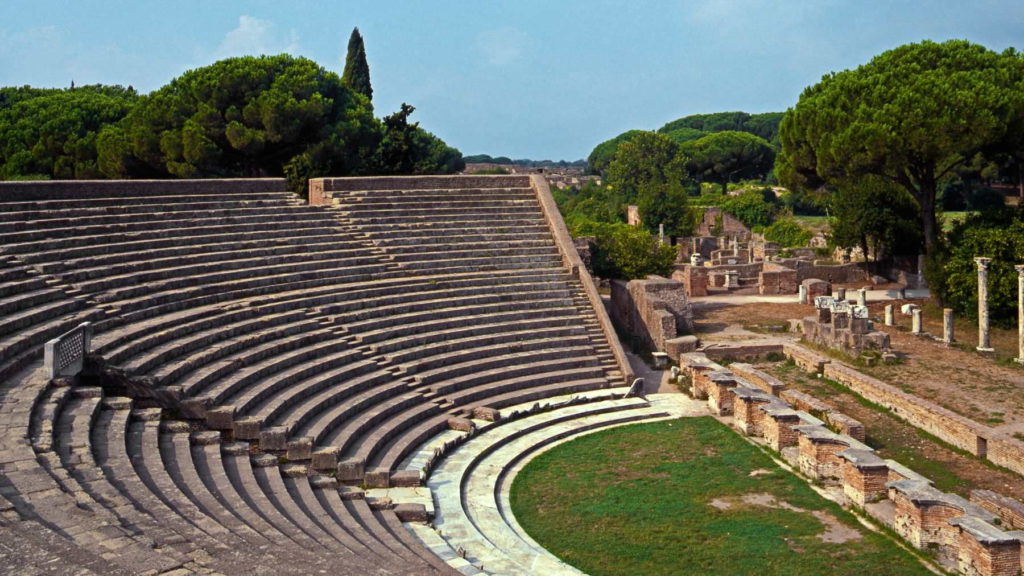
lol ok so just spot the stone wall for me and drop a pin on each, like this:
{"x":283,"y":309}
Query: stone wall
{"x":964,"y":536}
{"x":693,"y":278}
{"x":776,"y":279}
{"x":948,"y":426}
{"x":730,"y":225}
{"x":653,"y":310}
{"x":840,"y":273}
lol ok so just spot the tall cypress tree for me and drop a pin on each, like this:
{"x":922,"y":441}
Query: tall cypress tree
{"x":357,"y":72}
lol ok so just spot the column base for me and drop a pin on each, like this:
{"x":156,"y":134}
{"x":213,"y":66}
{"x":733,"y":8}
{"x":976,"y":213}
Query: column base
{"x":985,"y":350}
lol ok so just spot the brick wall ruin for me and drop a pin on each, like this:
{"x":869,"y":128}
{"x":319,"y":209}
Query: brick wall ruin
{"x":654,"y":310}
{"x":969,"y":537}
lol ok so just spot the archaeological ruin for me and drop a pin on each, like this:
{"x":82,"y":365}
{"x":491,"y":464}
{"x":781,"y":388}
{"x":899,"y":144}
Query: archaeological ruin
{"x":215,"y":377}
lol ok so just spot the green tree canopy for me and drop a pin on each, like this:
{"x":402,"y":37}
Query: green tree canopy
{"x":356,"y":76}
{"x":623,"y":251}
{"x":911,"y":115}
{"x":997,"y":235}
{"x":877,"y":216}
{"x":52,"y":133}
{"x":788,"y":233}
{"x":764,"y":125}
{"x":603,"y":154}
{"x":728,"y":156}
{"x":684,"y":134}
{"x":244,"y":116}
{"x":649,"y":171}
{"x":751,"y":208}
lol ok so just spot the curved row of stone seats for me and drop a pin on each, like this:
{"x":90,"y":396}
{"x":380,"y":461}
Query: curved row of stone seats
{"x":319,"y":347}
{"x":163,"y":496}
{"x":33,"y":309}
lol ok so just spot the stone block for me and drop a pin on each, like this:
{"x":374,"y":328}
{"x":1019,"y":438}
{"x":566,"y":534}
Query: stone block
{"x":377,"y":478}
{"x":324,"y":458}
{"x":406,"y":479}
{"x":300,"y":449}
{"x":461,"y":424}
{"x":205,"y":438}
{"x":194,"y":408}
{"x":351,"y":493}
{"x":221,"y":418}
{"x":247,"y":428}
{"x":411,"y":513}
{"x":274,"y":439}
{"x":351,"y":470}
{"x":681,"y":345}
{"x":487,"y":413}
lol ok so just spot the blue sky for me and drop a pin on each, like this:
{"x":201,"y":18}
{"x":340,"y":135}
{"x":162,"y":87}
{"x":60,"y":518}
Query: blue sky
{"x":531,"y":78}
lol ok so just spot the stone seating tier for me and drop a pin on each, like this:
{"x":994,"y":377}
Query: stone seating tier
{"x":364,"y":324}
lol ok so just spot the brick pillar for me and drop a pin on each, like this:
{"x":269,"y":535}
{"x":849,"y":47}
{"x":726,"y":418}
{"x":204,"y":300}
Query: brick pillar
{"x":1020,"y":312}
{"x":983,"y":341}
{"x":947,"y":325}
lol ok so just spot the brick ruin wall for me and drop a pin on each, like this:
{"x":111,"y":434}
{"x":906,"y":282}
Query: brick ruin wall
{"x":654,"y":310}
{"x":966,"y":537}
{"x":839,"y":273}
{"x":965,"y":434}
{"x":731,"y":226}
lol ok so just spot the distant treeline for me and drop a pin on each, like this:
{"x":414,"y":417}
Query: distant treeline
{"x":506,"y":161}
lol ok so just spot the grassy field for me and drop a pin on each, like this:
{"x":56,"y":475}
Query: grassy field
{"x":689,"y":496}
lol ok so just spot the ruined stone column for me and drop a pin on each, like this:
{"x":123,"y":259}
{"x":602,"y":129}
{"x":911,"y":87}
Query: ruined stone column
{"x":1020,"y":312}
{"x":841,"y":294}
{"x":889,"y":316}
{"x":915,"y":325}
{"x":947,"y":325}
{"x":803,"y":294}
{"x":862,"y":297}
{"x":983,"y":341}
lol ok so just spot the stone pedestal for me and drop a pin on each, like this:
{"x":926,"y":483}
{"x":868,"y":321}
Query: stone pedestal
{"x":983,"y":340}
{"x":915,"y":325}
{"x":1020,"y":312}
{"x":889,"y":315}
{"x":947,"y":325}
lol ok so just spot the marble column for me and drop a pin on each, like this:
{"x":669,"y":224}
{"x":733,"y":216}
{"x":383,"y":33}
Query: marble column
{"x":802,"y":297}
{"x":862,"y":297}
{"x":1020,"y":312}
{"x":983,"y":341}
{"x":947,"y":325}
{"x":915,"y":324}
{"x":840,"y":293}
{"x":889,"y":315}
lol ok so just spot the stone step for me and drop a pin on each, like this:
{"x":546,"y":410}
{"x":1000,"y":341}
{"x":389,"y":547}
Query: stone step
{"x":158,"y":214}
{"x":129,"y":247}
{"x":36,"y":242}
{"x":38,"y":314}
{"x":310,"y":216}
{"x":32,"y":211}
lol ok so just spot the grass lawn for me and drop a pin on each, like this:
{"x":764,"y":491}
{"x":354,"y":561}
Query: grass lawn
{"x":690,"y":496}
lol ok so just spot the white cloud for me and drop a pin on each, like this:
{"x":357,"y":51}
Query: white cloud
{"x":503,"y":46}
{"x":255,"y":37}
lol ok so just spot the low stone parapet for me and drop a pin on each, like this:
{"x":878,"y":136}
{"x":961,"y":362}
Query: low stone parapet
{"x":810,"y":361}
{"x":1009,"y":511}
{"x":864,"y":475}
{"x":758,"y":378}
{"x":985,"y":550}
{"x":819,"y":451}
